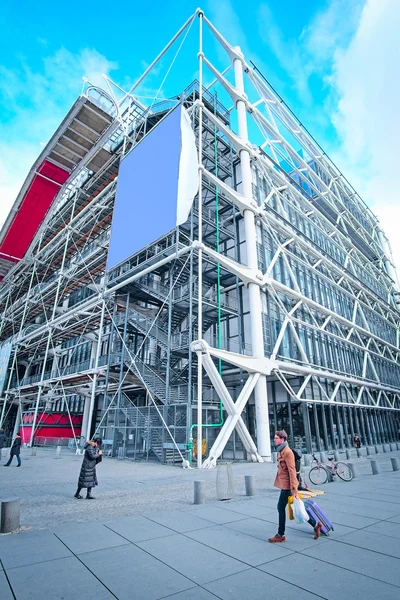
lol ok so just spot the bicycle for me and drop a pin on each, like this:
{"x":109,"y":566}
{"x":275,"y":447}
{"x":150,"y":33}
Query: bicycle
{"x":320,"y":474}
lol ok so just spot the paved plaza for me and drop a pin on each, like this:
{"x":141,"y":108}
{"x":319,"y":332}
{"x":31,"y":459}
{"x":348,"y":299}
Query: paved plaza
{"x":142,"y":538}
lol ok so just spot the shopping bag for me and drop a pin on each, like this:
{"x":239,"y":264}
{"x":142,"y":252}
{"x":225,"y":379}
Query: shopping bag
{"x":299,"y":511}
{"x":290,"y":507}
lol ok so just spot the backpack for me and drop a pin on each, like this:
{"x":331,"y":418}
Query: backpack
{"x":297,"y":460}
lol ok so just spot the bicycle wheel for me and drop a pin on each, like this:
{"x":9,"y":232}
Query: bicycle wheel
{"x":343,"y":471}
{"x":318,"y":475}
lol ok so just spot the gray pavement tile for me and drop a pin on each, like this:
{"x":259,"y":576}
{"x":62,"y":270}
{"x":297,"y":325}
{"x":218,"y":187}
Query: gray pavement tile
{"x":179,"y":521}
{"x":30,"y":547}
{"x":298,"y":538}
{"x":372,"y":541}
{"x":61,"y":579}
{"x":197,"y":562}
{"x":216,"y":514}
{"x":385,"y":528}
{"x":383,"y":499}
{"x":138,"y":529}
{"x":343,"y":518}
{"x":327,"y":580}
{"x":251,"y":509}
{"x":5,"y":591}
{"x":249,"y":550}
{"x":196,"y":593}
{"x":395,"y":519}
{"x":88,"y":537}
{"x":256,"y":585}
{"x":355,"y":507}
{"x":129,"y":572}
{"x":373,"y":564}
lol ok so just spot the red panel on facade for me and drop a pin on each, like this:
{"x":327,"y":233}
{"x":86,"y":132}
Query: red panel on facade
{"x":34,"y":206}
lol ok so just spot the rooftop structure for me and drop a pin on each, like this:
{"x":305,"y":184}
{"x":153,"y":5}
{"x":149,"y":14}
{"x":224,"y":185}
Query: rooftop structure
{"x":273,"y":306}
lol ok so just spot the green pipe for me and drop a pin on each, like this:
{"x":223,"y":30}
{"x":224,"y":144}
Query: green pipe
{"x":221,"y":406}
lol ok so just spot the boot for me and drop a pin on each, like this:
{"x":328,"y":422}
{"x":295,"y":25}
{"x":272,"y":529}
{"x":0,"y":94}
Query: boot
{"x":89,"y":494}
{"x":78,"y":495}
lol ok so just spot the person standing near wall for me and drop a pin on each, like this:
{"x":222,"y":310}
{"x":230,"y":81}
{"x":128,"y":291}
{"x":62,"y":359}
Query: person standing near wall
{"x":286,"y":481}
{"x":15,"y":451}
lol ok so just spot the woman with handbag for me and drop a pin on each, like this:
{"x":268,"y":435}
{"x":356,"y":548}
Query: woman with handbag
{"x":87,"y":476}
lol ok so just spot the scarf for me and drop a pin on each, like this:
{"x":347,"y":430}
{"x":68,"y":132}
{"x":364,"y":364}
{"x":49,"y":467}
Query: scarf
{"x":281,"y":447}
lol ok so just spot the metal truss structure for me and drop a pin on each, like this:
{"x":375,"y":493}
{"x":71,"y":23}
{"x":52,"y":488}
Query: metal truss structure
{"x":273,"y":306}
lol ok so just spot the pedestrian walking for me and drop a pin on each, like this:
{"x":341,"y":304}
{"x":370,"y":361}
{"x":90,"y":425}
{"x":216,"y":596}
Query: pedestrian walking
{"x":356,"y":441}
{"x":286,"y":480}
{"x":87,"y":475}
{"x":2,"y":441}
{"x":15,"y":451}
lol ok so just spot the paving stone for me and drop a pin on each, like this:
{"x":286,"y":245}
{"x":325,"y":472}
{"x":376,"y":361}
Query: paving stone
{"x":256,"y":585}
{"x":375,"y":565}
{"x":88,"y":537}
{"x":179,"y":521}
{"x":197,"y":562}
{"x":5,"y":591}
{"x":129,"y":572}
{"x":385,"y":528}
{"x":252,"y":509}
{"x":137,"y":529}
{"x":296,"y":539}
{"x":29,"y":548}
{"x":196,"y":593}
{"x":328,"y":581}
{"x":372,"y":541}
{"x":344,"y":518}
{"x":61,"y":579}
{"x":248,"y":549}
{"x":216,"y":514}
{"x":395,"y":519}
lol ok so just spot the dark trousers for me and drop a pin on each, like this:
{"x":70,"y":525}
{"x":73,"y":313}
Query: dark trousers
{"x":282,"y":504}
{"x":10,"y":459}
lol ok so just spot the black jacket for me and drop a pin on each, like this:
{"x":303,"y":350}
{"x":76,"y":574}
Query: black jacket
{"x":87,"y":476}
{"x":16,"y":447}
{"x":2,"y":439}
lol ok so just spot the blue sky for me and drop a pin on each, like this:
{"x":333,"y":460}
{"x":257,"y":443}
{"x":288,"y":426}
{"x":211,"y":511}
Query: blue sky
{"x":335,"y":62}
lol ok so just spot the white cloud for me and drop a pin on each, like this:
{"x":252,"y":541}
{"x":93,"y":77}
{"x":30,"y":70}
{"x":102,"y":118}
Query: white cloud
{"x":366,"y":85}
{"x":32,"y":104}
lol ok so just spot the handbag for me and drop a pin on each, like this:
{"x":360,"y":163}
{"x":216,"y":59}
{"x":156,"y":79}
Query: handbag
{"x":299,"y":511}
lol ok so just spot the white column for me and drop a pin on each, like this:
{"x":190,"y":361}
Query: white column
{"x":256,"y":328}
{"x":85,"y":419}
{"x":200,"y":258}
{"x":17,"y":423}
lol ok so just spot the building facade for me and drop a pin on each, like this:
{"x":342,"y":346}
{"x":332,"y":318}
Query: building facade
{"x":274,"y":306}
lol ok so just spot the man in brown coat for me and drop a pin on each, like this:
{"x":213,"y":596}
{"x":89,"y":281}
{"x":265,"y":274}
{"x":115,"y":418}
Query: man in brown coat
{"x":286,"y":481}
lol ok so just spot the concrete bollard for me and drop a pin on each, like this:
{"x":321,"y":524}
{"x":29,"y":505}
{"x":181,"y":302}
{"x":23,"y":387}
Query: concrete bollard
{"x":384,"y":448}
{"x":353,"y":469}
{"x":33,"y":452}
{"x":395,"y":464}
{"x":369,"y":451}
{"x":322,"y":457}
{"x":376,"y":449}
{"x":398,"y":445}
{"x":336,"y":455}
{"x":348,"y":454}
{"x":375,"y":467}
{"x":250,"y":485}
{"x":58,"y":452}
{"x":199,"y":492}
{"x":10,"y":515}
{"x":393,"y":447}
{"x":359,"y":452}
{"x":274,"y":457}
{"x":307,"y":460}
